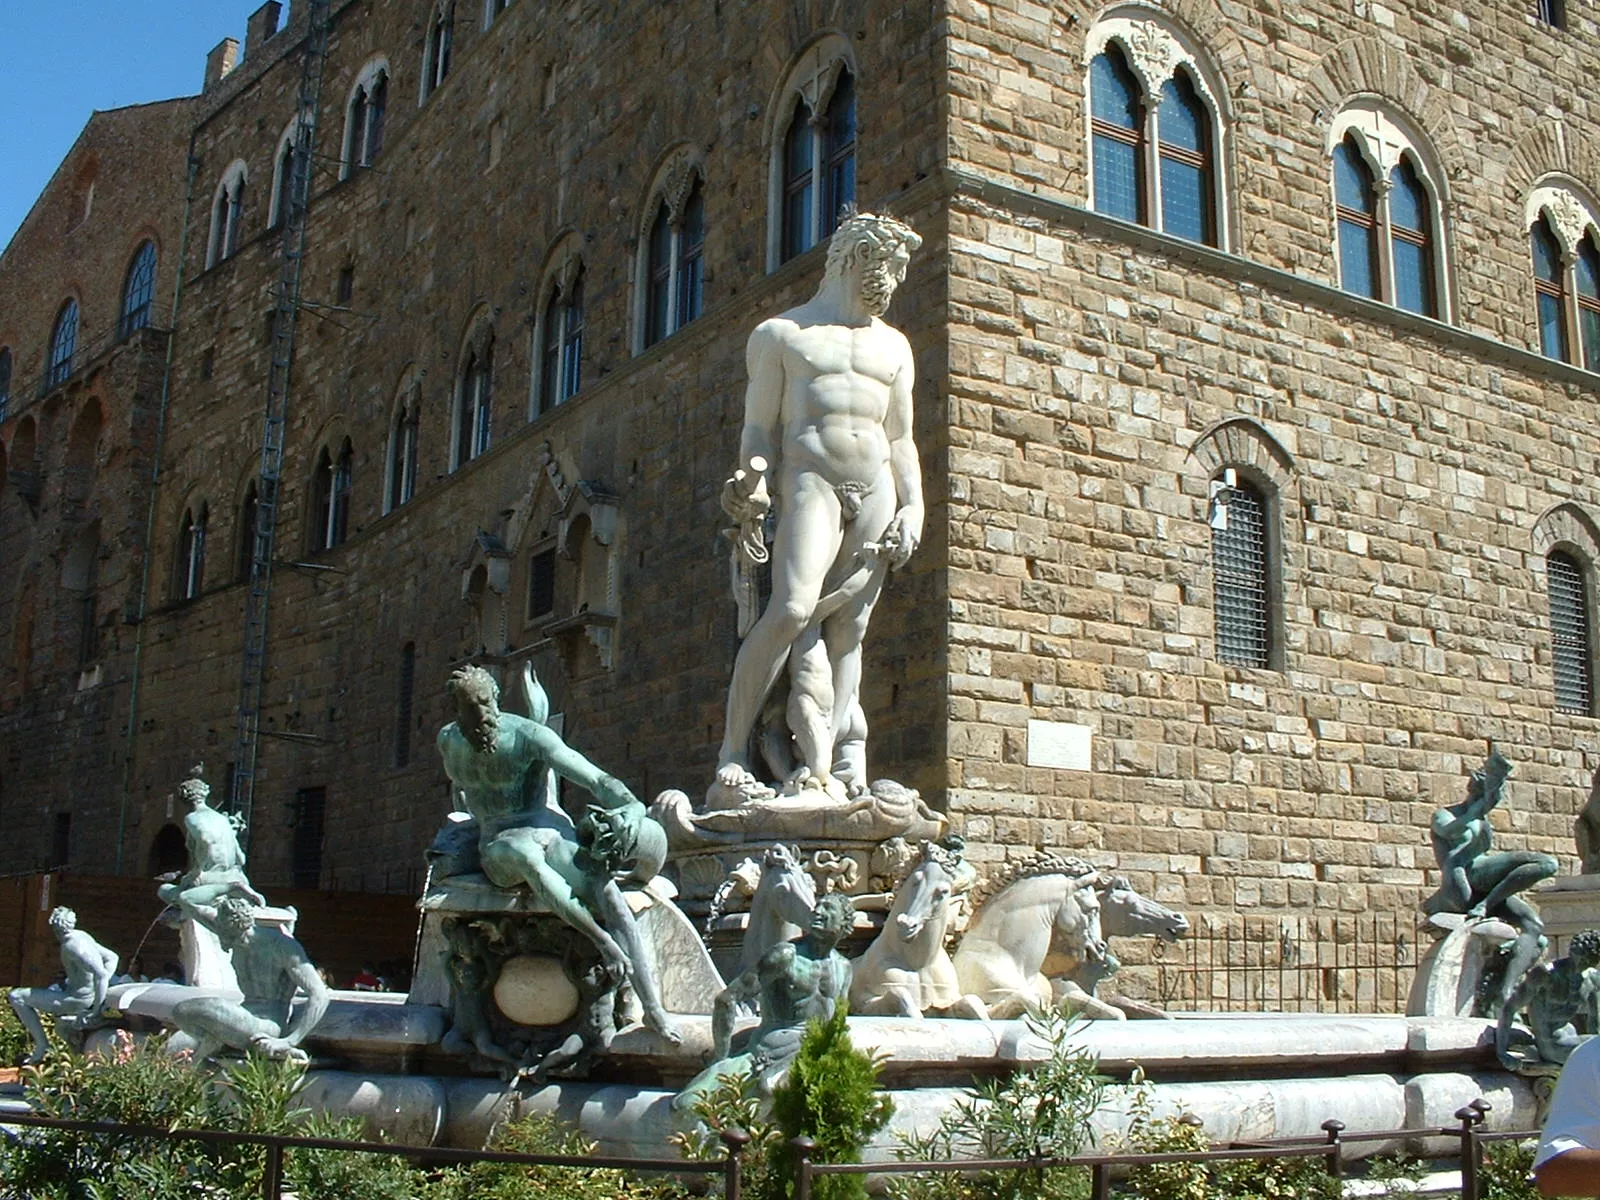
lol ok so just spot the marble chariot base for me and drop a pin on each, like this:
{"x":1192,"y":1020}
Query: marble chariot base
{"x":1245,"y":1076}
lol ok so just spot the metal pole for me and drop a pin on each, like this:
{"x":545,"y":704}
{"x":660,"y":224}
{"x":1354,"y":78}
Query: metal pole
{"x":735,"y":1140}
{"x":1100,"y":1182}
{"x":1334,"y":1163}
{"x":802,"y":1147}
{"x":272,"y":1174}
{"x":1470,"y":1150}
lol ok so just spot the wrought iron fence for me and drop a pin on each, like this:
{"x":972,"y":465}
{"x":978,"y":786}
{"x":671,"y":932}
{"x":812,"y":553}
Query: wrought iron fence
{"x":1469,"y":1134}
{"x":1333,"y":963}
{"x":275,"y":1146}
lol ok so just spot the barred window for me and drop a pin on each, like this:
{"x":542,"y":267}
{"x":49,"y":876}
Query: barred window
{"x":5,"y":381}
{"x":403,"y":709}
{"x":541,"y":583}
{"x":1239,"y":562}
{"x":1569,"y":632}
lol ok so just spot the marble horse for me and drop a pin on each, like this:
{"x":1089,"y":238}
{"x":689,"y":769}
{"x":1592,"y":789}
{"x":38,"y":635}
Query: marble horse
{"x":907,"y":972}
{"x":1046,"y":904}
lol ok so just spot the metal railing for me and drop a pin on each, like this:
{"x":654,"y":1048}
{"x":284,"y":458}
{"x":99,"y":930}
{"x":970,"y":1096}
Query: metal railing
{"x":24,"y":395}
{"x":1335,"y":963}
{"x":1469,"y":1133}
{"x":729,"y":1168}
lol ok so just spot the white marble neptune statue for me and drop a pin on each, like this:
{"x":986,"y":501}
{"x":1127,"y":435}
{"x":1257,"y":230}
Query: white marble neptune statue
{"x":827,"y":450}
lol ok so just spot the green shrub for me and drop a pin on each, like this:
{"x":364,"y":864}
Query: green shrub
{"x":1149,"y":1134}
{"x":831,"y":1096}
{"x":143,"y":1085}
{"x":14,"y":1040}
{"x":506,"y":1181}
{"x":1505,"y":1171}
{"x":1229,"y":1179}
{"x":1040,"y":1112}
{"x":734,"y":1103}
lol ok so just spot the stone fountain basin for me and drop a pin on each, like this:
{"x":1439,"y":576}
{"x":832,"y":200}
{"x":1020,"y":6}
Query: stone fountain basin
{"x":1245,"y":1076}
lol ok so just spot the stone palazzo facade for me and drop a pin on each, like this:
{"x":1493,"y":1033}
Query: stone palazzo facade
{"x":1259,"y":453}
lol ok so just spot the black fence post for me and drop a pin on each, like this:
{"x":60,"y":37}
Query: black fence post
{"x":1332,"y":1158}
{"x":802,"y":1147}
{"x":735,"y":1140}
{"x":1100,"y":1182}
{"x":1471,"y":1150}
{"x":272,"y":1173}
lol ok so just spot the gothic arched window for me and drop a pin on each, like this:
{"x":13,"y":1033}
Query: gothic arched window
{"x":1549,"y":286}
{"x":1117,"y":122}
{"x":436,"y":50}
{"x":474,"y":407}
{"x":1387,"y":193}
{"x":63,"y":344}
{"x":1155,"y":129}
{"x":227,"y":215}
{"x":330,"y":512}
{"x":189,"y":568}
{"x":814,"y":151}
{"x":672,"y":277}
{"x":138,"y":290}
{"x":1357,"y":198}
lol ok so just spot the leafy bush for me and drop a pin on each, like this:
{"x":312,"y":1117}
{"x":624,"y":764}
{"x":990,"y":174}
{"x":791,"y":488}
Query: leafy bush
{"x":830,"y":1096}
{"x":506,"y":1181}
{"x":1505,"y":1171}
{"x":1230,"y":1179}
{"x":14,"y":1040}
{"x":1041,"y":1112}
{"x":1149,"y":1134}
{"x":144,"y":1085}
{"x":735,"y":1103}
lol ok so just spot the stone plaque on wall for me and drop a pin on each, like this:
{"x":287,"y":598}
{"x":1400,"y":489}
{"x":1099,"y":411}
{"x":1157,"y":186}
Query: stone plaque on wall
{"x":1059,"y":744}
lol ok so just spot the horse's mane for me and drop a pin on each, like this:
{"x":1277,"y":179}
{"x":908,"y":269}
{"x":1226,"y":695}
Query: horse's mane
{"x":1046,"y":862}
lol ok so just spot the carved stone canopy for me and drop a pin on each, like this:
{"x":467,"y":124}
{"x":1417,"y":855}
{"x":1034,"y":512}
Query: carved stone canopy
{"x":1569,"y":216}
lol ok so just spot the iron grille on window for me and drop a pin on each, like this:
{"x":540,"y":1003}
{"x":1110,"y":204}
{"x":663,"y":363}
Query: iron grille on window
{"x":541,"y":584}
{"x":1569,"y":633}
{"x":310,"y":806}
{"x":1553,"y":12}
{"x":408,"y":687}
{"x":1239,"y":557}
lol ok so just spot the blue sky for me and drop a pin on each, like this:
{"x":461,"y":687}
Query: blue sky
{"x":65,"y":58}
